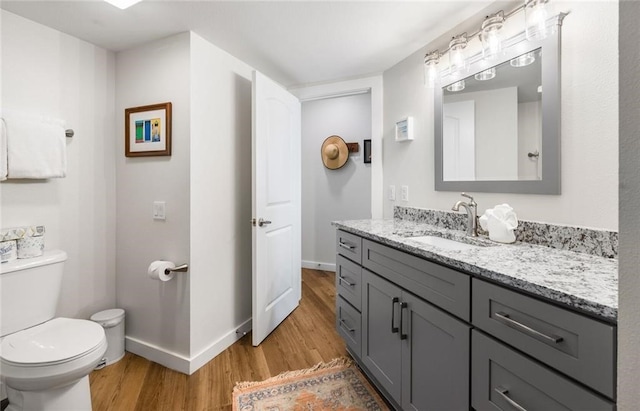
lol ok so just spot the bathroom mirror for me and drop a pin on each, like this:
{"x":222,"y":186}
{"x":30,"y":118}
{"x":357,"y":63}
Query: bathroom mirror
{"x":497,"y":126}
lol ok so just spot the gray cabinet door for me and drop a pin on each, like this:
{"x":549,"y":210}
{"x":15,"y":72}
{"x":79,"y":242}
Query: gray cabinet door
{"x":349,"y":324}
{"x":435,"y":358}
{"x":381,"y":344}
{"x":503,"y":379}
{"x":578,"y":346}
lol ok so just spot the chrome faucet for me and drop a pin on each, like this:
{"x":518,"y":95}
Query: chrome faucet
{"x":472,"y":214}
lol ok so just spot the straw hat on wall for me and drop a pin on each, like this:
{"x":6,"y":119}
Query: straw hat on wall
{"x":334,"y":152}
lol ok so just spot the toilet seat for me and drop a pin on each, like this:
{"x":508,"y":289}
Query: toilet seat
{"x":53,"y":342}
{"x":52,"y":354}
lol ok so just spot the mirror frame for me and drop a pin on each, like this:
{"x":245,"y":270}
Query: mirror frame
{"x":549,"y":183}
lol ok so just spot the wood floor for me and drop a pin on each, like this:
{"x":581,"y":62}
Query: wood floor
{"x":305,"y":338}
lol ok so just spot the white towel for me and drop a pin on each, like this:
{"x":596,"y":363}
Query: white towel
{"x":3,"y":150}
{"x":36,"y":146}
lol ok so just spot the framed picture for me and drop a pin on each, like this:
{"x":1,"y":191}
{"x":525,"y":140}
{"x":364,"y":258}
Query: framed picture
{"x":147,"y":130}
{"x":367,"y":151}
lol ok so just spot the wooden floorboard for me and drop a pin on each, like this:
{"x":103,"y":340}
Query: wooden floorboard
{"x":305,"y":338}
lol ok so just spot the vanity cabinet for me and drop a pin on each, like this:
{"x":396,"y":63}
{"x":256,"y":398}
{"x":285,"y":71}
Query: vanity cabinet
{"x":433,"y":338}
{"x":504,"y":379}
{"x":418,"y":353}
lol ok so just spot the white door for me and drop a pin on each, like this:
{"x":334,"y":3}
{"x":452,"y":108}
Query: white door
{"x":458,"y":142}
{"x":275,"y":205}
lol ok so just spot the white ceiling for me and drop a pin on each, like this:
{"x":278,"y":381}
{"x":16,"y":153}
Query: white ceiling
{"x":293,"y":42}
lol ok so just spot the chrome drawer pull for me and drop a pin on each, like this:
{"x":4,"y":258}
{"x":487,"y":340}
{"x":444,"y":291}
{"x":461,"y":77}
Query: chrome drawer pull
{"x":504,"y":317}
{"x":346,"y":327}
{"x":347,"y":246}
{"x":341,"y":279}
{"x":503,"y":393}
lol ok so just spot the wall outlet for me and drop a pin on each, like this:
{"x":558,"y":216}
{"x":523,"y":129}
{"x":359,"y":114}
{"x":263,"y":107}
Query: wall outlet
{"x":392,"y":193}
{"x":405,"y":193}
{"x":159,"y":210}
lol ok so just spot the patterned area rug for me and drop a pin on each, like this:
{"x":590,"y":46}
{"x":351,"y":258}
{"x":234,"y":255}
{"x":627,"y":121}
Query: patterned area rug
{"x":337,"y":385}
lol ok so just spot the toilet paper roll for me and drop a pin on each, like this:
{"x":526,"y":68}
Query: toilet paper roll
{"x":29,"y":247}
{"x":157,"y":269}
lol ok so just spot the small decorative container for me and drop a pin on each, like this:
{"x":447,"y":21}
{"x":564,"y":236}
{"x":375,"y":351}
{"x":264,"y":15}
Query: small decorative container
{"x":29,"y":247}
{"x":8,"y":251}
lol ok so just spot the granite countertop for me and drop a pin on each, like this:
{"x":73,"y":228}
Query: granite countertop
{"x":585,"y":282}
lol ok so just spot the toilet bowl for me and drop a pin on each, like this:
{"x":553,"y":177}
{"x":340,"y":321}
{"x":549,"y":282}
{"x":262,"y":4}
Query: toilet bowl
{"x":46,"y":367}
{"x":45,"y":360}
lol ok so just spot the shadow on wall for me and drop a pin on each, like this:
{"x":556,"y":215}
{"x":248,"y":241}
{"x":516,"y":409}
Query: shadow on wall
{"x":242,"y":197}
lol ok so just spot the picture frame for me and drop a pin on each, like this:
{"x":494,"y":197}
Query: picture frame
{"x":367,"y":151}
{"x":147,"y":130}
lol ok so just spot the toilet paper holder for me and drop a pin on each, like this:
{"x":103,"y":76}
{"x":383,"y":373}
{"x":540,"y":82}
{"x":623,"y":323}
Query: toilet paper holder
{"x":177,"y":269}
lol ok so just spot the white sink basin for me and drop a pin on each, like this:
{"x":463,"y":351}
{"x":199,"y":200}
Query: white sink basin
{"x":444,"y":243}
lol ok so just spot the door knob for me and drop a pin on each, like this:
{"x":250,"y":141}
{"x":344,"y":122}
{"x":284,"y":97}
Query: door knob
{"x":262,"y":222}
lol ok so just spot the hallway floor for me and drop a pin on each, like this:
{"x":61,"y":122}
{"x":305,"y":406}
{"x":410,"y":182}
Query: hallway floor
{"x":305,"y":338}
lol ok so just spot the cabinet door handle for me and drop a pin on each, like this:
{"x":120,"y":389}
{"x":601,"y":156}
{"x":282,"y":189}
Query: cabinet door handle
{"x":394,"y":329}
{"x":341,"y":279}
{"x":504,"y":318}
{"x":403,"y":335}
{"x":347,"y":246}
{"x":346,"y":327}
{"x":503,"y":393}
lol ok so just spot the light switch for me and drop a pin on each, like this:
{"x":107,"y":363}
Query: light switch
{"x":159,"y":210}
{"x":405,"y":193}
{"x":392,"y":193}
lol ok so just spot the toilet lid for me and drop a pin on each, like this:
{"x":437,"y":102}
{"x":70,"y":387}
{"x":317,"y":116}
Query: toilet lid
{"x":57,"y":340}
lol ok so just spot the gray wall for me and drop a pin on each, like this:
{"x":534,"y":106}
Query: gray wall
{"x":157,"y":312}
{"x":629,"y":285}
{"x":49,"y":73}
{"x":589,"y":143}
{"x":329,"y":195}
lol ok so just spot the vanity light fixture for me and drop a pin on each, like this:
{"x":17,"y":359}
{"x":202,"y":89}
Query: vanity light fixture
{"x":491,"y":35}
{"x":523,"y":60}
{"x":457,"y":56}
{"x":122,"y":4}
{"x":487,"y":74}
{"x":431,"y":60}
{"x":457,"y":86}
{"x":535,"y":17}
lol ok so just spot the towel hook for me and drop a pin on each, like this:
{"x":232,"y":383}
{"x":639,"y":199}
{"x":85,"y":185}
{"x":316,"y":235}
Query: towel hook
{"x":69,"y":132}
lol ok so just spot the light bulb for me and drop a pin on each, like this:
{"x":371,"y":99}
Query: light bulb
{"x":457,"y":56}
{"x":536,"y":14}
{"x":430,"y":69}
{"x":486,"y":74}
{"x":491,"y":36}
{"x":457,"y":86}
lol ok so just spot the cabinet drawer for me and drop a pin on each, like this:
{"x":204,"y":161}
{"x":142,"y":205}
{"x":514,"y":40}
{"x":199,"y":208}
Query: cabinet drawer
{"x":579,"y":346}
{"x":349,"y":245}
{"x":348,"y":324}
{"x":349,"y":281}
{"x":503,"y":379}
{"x":439,"y":285}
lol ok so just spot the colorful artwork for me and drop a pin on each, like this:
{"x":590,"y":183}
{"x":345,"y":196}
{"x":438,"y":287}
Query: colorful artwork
{"x":148,"y":131}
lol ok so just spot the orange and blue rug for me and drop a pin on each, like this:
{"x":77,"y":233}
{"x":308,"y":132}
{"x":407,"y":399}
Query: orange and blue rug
{"x":338,"y":385}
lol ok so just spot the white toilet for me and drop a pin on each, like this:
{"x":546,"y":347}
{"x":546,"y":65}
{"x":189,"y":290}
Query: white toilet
{"x":44,"y":361}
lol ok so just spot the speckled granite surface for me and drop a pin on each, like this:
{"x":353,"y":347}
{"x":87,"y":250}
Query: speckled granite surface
{"x":585,"y":282}
{"x":583,"y":240}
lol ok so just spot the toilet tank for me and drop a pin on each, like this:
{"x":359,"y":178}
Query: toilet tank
{"x":29,"y":290}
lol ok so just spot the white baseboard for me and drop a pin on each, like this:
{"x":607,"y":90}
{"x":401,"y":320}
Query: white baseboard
{"x":179,"y":362}
{"x":314,"y":265}
{"x":157,"y":354}
{"x":218,"y":346}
